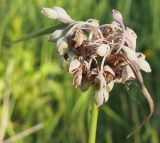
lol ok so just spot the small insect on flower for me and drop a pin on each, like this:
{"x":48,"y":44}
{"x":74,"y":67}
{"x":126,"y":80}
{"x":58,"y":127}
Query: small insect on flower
{"x":99,"y":55}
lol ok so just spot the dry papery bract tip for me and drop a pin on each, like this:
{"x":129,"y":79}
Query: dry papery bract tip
{"x":99,"y":55}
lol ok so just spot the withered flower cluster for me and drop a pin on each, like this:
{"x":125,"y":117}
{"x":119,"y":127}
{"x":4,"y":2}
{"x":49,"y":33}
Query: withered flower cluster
{"x":99,"y":55}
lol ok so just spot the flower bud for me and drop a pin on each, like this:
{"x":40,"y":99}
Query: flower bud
{"x":49,"y":13}
{"x":55,"y":35}
{"x":101,"y":96}
{"x":57,"y":13}
{"x":62,"y":46}
{"x":117,"y":16}
{"x":103,"y":49}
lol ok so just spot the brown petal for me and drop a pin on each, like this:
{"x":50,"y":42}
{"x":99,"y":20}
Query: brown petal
{"x":78,"y":38}
{"x":108,"y":69}
{"x":77,"y":78}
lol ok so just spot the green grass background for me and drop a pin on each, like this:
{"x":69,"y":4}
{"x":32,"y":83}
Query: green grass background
{"x":41,"y":92}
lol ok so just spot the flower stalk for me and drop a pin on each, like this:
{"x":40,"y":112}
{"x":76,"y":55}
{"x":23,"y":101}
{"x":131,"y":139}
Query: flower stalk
{"x":93,"y":124}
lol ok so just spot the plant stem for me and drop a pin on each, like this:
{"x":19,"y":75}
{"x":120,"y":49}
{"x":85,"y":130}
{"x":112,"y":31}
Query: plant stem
{"x":93,"y":124}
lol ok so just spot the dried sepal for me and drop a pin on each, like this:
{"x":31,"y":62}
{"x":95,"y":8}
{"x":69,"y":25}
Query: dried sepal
{"x":109,"y":70}
{"x":78,"y":38}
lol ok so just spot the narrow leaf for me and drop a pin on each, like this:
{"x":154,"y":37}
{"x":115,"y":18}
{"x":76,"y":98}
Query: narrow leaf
{"x":38,"y":33}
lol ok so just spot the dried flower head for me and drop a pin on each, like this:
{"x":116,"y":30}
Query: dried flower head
{"x":99,"y":55}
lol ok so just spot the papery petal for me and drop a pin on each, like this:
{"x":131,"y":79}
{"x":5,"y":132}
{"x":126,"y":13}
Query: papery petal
{"x":50,"y":13}
{"x":127,"y":73}
{"x":131,"y":33}
{"x":108,"y":69}
{"x":78,"y":38}
{"x":144,"y":65}
{"x":116,"y":25}
{"x":103,"y":49}
{"x":130,"y":53}
{"x":62,"y":46}
{"x":57,"y":13}
{"x":95,"y":22}
{"x":77,"y":78}
{"x":117,"y":16}
{"x":131,"y":37}
{"x":55,"y":35}
{"x":74,"y":65}
{"x":93,"y":71}
{"x":101,"y":96}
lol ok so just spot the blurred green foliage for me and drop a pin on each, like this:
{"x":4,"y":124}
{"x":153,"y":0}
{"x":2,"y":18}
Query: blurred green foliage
{"x":41,"y":92}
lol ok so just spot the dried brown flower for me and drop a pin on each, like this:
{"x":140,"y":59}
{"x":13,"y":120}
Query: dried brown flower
{"x":99,"y":55}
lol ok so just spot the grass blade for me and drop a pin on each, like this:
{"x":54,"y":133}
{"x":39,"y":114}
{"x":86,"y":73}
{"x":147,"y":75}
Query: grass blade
{"x":38,"y":33}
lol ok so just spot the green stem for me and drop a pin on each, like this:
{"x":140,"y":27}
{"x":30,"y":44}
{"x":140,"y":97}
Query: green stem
{"x":93,"y":124}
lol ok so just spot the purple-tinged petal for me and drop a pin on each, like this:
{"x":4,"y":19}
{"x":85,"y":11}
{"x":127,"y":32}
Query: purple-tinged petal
{"x":130,"y":53}
{"x":127,"y":73}
{"x":57,"y":13}
{"x":143,"y":65}
{"x":74,"y":65}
